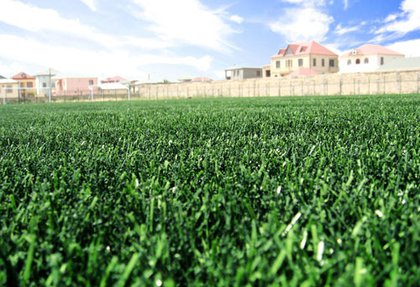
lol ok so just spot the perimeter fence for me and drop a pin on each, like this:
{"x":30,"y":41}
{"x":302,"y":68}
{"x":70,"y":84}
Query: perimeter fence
{"x":402,"y":82}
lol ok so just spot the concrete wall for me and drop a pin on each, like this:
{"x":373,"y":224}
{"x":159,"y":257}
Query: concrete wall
{"x":328,"y":84}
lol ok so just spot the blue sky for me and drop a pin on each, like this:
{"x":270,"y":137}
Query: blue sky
{"x":173,"y":39}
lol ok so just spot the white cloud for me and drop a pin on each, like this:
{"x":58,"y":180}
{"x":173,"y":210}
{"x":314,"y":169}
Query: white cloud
{"x":390,"y":18}
{"x":31,"y":18}
{"x":112,"y":54}
{"x":346,"y":4}
{"x":187,"y":22}
{"x":76,"y":61}
{"x":90,"y":3}
{"x":306,"y":3}
{"x":35,"y":19}
{"x":406,"y":21}
{"x":341,"y":30}
{"x":303,"y":24}
{"x":409,"y":48}
{"x":236,"y":19}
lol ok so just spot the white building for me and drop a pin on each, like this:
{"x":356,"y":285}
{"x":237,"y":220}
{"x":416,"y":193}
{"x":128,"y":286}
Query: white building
{"x":367,"y":58}
{"x":243,"y":73}
{"x":43,"y":83}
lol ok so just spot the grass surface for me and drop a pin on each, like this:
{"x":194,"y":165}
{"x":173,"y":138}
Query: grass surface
{"x":230,"y":192}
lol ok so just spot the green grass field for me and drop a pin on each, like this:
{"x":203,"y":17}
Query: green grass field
{"x":230,"y":192}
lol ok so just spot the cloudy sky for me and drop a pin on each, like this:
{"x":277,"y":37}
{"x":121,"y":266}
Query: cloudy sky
{"x":172,"y":39}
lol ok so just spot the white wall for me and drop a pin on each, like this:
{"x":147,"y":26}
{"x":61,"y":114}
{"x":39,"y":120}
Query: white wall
{"x":374,"y":62}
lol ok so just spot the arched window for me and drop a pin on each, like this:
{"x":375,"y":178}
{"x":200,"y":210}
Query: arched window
{"x":366,"y":60}
{"x":348,"y":62}
{"x":357,"y":61}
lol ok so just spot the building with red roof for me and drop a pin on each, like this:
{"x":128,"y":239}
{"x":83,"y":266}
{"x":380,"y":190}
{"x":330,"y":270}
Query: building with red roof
{"x":367,"y":58}
{"x":310,"y":57}
{"x":26,"y":85}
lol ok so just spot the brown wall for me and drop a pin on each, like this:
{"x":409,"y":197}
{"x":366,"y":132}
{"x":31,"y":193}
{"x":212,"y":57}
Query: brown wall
{"x":329,"y":84}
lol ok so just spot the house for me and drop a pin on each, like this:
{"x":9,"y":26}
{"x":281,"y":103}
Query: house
{"x":9,"y":89}
{"x":26,"y":85}
{"x":367,"y":58}
{"x":242,"y":73}
{"x":43,"y":83}
{"x":306,"y":55}
{"x":74,"y":86}
{"x":2,"y":78}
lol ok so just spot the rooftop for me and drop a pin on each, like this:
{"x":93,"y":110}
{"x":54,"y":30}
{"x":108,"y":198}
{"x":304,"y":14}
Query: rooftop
{"x":370,"y":49}
{"x":23,"y":76}
{"x":305,"y":48}
{"x":7,"y":81}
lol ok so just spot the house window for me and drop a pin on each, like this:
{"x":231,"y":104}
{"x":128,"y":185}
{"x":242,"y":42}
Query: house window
{"x":90,"y":82}
{"x":366,"y":60}
{"x":300,"y":62}
{"x":44,"y":85}
{"x":277,"y":64}
{"x":348,"y":62}
{"x":357,"y":61}
{"x":29,"y":85}
{"x":382,"y":60}
{"x":268,"y":73}
{"x":323,"y":62}
{"x":9,"y":89}
{"x":314,"y":62}
{"x":289,"y":63}
{"x":258,"y":73}
{"x":332,"y":63}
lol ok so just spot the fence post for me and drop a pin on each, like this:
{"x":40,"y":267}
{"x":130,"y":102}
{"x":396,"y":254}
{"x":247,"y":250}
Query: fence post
{"x":384,"y":85}
{"x":301,"y":87}
{"x":325,"y":87}
{"x":399,"y":82}
{"x":418,"y":83}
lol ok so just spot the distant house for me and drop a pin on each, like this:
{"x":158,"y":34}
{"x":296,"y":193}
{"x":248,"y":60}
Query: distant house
{"x":310,"y":56}
{"x":26,"y":85}
{"x":243,"y":73}
{"x":9,"y":89}
{"x":74,"y":86}
{"x":43,"y":83}
{"x":401,"y":64}
{"x":367,"y":58}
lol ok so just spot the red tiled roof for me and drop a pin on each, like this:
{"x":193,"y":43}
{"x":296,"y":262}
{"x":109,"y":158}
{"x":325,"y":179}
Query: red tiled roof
{"x":370,"y":49}
{"x":305,"y":48}
{"x":22,"y":76}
